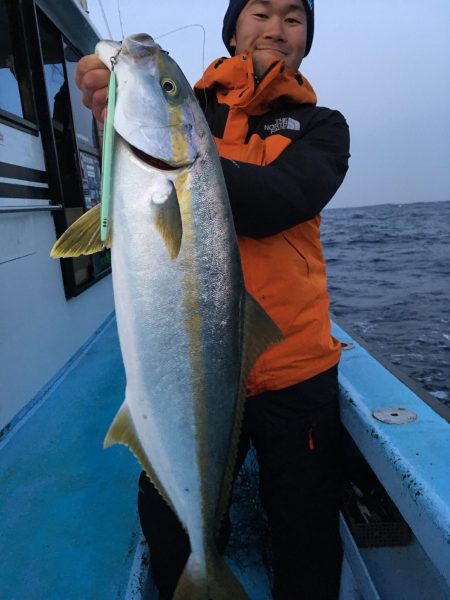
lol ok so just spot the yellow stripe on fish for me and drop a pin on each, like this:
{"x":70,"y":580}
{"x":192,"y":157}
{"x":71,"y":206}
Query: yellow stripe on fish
{"x":180,"y":142}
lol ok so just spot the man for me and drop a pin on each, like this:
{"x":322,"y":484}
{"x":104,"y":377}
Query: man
{"x":283,"y":159}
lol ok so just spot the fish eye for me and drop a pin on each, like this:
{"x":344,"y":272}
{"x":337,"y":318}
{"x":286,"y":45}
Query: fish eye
{"x":169,"y":86}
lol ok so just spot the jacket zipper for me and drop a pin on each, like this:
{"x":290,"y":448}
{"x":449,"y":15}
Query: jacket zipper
{"x":266,"y":72}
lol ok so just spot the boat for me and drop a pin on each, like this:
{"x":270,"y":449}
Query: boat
{"x":69,"y":526}
{"x":49,"y":175}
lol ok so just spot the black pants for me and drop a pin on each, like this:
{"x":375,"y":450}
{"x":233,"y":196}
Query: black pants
{"x":296,"y":432}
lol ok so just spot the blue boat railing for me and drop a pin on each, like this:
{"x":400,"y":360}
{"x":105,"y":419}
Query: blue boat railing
{"x":410,"y":460}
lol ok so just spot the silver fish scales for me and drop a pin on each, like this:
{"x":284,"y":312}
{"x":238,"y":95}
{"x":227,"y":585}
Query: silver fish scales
{"x":189,"y":333}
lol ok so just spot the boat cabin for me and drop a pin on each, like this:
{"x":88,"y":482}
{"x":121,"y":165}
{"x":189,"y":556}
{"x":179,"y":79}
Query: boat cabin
{"x":49,"y":175}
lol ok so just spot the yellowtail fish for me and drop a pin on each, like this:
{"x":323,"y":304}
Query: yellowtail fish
{"x":189,"y":332}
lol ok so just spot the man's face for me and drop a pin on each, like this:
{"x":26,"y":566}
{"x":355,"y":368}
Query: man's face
{"x":272,"y":29}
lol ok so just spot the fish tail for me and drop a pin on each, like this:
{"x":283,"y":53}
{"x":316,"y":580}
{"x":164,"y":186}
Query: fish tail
{"x":216,"y":582}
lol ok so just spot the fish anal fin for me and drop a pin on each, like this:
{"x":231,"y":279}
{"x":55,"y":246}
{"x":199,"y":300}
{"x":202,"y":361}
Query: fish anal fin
{"x":167,"y":218}
{"x":82,"y":237}
{"x":260,"y":332}
{"x":123,"y":431}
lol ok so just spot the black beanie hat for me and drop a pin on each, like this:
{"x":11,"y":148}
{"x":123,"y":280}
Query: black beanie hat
{"x":234,"y":10}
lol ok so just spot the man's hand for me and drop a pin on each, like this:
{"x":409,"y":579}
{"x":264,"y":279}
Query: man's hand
{"x":92,"y":77}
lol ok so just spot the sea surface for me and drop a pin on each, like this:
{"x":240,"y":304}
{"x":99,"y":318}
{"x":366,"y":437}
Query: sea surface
{"x":389,"y":282}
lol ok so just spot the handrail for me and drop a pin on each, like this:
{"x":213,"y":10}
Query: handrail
{"x":27,"y":209}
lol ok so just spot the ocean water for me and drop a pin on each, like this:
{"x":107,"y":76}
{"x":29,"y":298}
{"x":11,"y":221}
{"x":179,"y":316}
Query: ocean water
{"x":389,"y":282}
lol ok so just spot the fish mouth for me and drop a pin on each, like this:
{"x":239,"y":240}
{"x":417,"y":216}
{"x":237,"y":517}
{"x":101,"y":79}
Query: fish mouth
{"x":157,"y":163}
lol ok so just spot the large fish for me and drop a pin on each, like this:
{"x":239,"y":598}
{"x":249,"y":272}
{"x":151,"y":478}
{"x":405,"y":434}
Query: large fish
{"x":189,"y":332}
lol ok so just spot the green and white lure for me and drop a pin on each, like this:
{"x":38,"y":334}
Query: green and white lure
{"x":107,"y":153}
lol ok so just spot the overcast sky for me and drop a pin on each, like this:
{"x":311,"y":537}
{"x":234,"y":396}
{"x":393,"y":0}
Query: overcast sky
{"x":385,"y":64}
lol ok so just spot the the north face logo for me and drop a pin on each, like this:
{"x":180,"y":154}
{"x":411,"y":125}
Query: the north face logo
{"x":282,"y":123}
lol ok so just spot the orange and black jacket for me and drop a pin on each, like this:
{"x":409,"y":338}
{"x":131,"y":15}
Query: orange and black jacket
{"x":283,"y":159}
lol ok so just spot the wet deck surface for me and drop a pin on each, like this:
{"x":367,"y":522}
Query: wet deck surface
{"x":68,"y":518}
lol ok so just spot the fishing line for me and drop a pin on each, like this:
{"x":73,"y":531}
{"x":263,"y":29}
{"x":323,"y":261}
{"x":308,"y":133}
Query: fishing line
{"x":120,"y":18}
{"x":203,"y":50}
{"x":105,"y":19}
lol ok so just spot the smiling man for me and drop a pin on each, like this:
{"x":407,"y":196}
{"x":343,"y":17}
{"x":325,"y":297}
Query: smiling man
{"x":283,"y":159}
{"x":271,"y":30}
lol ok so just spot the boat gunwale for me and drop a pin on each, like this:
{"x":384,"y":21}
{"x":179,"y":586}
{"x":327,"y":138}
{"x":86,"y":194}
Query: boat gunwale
{"x":443,"y":410}
{"x":405,"y":460}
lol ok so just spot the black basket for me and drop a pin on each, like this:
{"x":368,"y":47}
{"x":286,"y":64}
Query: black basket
{"x":392,"y":532}
{"x":372,"y":517}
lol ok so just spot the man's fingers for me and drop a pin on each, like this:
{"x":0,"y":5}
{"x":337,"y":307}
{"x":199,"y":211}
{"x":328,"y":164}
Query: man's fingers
{"x":94,"y":80}
{"x":99,"y":103}
{"x":87,"y":101}
{"x":87,"y":63}
{"x":96,"y":101}
{"x":92,"y":77}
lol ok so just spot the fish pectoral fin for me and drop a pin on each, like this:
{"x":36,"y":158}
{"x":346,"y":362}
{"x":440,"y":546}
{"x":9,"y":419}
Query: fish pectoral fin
{"x":167,"y":217}
{"x":123,"y":431}
{"x":260,"y":332}
{"x":82,"y":237}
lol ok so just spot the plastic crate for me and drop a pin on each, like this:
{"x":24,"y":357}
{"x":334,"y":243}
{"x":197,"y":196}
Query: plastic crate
{"x":370,"y":535}
{"x":389,"y":530}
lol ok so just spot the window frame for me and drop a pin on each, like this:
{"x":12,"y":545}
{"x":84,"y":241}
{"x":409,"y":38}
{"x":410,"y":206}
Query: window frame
{"x":27,"y":122}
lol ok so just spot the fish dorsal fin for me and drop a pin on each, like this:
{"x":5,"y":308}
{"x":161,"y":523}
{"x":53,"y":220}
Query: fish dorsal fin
{"x":259,"y":333}
{"x":82,"y":237}
{"x":123,"y":431}
{"x":167,"y":217}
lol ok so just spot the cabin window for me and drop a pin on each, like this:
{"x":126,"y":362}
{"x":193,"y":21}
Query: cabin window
{"x":15,"y":94}
{"x":77,"y":150}
{"x":85,"y":125}
{"x":9,"y":85}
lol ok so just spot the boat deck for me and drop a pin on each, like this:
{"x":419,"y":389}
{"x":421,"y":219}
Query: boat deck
{"x":68,"y":518}
{"x":68,"y":514}
{"x":66,"y":532}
